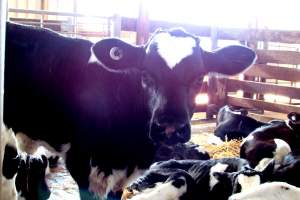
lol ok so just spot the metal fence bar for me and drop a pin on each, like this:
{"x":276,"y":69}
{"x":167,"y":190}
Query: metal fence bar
{"x":3,"y":13}
{"x":46,"y":12}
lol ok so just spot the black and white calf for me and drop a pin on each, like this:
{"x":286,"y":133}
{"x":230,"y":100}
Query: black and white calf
{"x":181,"y":151}
{"x":273,"y":140}
{"x":110,"y":102}
{"x":211,"y":179}
{"x":288,"y":170}
{"x":235,"y":124}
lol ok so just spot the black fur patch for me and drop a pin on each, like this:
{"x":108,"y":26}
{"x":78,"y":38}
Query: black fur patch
{"x":11,"y":162}
{"x":178,"y":182}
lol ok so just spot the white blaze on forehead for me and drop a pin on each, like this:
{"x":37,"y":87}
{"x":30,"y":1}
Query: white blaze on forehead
{"x":219,"y":167}
{"x":173,"y":48}
{"x":248,"y":182}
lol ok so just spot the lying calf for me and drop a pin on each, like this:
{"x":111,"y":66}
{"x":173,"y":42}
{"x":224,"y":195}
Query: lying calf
{"x":270,"y":191}
{"x":181,"y":151}
{"x":190,"y":179}
{"x":268,"y":141}
{"x":288,"y":170}
{"x":235,"y":124}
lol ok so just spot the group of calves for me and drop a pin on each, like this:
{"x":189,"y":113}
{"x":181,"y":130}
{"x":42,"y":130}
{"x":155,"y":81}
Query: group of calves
{"x":268,"y":167}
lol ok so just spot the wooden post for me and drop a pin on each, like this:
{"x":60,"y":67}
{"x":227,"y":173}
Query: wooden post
{"x":3,"y":14}
{"x":217,"y":94}
{"x":252,"y":44}
{"x":214,"y":37}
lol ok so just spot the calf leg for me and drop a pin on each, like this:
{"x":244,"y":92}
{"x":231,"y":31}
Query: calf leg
{"x":78,"y":164}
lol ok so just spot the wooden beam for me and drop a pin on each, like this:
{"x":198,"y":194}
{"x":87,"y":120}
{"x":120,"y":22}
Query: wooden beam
{"x":276,"y":56}
{"x":130,"y":24}
{"x":262,"y":88}
{"x":293,"y":37}
{"x":274,"y":72}
{"x":250,"y":103}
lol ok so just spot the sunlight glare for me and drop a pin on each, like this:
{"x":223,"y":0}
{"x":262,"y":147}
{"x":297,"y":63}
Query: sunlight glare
{"x":202,"y":99}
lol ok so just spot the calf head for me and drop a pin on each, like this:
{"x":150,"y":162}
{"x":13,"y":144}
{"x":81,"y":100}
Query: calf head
{"x":294,"y":120}
{"x":245,"y":179}
{"x":172,"y":66}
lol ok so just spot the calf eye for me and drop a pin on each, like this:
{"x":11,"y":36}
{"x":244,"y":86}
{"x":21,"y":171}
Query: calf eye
{"x":116,"y":53}
{"x":147,"y":80}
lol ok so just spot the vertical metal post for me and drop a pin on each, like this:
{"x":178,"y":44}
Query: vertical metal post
{"x":75,"y":10}
{"x":143,"y":24}
{"x":214,"y":37}
{"x":116,"y":26}
{"x":3,"y":13}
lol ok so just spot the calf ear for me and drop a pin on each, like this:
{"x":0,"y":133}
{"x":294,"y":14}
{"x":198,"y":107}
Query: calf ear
{"x":229,"y":60}
{"x":294,"y":117}
{"x":221,"y":176}
{"x":117,"y":55}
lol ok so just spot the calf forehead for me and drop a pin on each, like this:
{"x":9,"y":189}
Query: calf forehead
{"x":173,"y":49}
{"x":173,"y":54}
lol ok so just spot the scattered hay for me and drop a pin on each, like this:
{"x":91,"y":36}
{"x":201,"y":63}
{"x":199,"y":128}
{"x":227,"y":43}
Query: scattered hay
{"x":225,"y":150}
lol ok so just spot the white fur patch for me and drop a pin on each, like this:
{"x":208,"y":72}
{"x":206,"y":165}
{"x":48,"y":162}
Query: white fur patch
{"x":246,"y":139}
{"x":164,"y":191}
{"x":200,"y":149}
{"x":219,"y":167}
{"x":30,"y":146}
{"x":248,"y":182}
{"x":8,"y":187}
{"x":269,"y":191}
{"x":212,"y":139}
{"x":288,"y":125}
{"x":173,"y":49}
{"x":93,"y":58}
{"x":118,"y":180}
{"x":282,"y":149}
{"x":263,"y":163}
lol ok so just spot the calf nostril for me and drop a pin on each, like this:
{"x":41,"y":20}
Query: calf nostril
{"x":170,"y":130}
